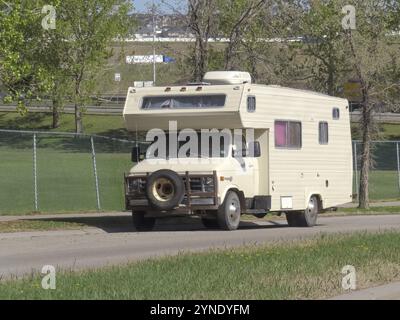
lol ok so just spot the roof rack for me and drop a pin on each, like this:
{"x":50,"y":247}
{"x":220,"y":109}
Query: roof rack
{"x":199,"y":84}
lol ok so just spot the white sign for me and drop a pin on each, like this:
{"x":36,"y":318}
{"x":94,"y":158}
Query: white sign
{"x":144,"y":59}
{"x":143,"y":84}
{"x":117,"y":77}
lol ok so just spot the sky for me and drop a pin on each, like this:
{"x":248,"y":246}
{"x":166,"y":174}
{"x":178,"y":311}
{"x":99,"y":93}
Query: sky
{"x":143,"y":5}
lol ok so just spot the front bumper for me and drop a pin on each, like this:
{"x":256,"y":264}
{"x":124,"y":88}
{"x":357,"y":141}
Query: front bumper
{"x":201,"y":193}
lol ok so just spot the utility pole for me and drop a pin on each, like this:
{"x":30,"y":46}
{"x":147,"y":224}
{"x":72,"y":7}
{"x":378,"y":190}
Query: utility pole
{"x":154,"y":44}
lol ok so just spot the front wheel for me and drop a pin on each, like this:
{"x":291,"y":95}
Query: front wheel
{"x":142,"y":223}
{"x":229,"y":213}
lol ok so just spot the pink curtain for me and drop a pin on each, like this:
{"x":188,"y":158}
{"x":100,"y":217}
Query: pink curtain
{"x":280,"y":133}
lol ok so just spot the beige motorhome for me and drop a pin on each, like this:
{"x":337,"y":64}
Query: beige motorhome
{"x":300,"y":162}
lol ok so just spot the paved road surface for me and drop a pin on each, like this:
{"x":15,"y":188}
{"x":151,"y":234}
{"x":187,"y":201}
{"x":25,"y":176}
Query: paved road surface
{"x":114,"y":241}
{"x":387,"y":292}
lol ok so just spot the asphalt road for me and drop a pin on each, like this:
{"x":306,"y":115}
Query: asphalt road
{"x":116,"y":242}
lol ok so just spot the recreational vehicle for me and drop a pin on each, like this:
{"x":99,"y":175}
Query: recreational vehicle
{"x":298,"y":160}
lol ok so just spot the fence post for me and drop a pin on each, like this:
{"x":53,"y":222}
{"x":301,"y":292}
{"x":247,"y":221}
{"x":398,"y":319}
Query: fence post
{"x":35,"y":185}
{"x":398,"y":164}
{"x":356,"y":167}
{"x":96,"y":178}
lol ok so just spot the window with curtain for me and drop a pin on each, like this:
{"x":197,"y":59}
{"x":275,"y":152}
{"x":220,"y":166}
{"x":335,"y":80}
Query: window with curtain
{"x":288,"y":134}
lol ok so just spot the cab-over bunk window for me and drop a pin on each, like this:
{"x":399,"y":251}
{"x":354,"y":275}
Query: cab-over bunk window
{"x":288,"y":134}
{"x":184,"y":102}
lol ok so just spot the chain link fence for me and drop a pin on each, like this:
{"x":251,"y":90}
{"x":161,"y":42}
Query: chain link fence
{"x":384,"y":179}
{"x":62,"y":172}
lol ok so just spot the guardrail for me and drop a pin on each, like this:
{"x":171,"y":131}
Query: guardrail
{"x":117,"y":109}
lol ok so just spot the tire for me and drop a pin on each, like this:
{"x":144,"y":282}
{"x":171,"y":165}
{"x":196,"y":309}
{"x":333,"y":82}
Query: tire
{"x":229,"y":213}
{"x":291,"y":218}
{"x":165,"y":190}
{"x":210,"y":223}
{"x":306,"y":218}
{"x":141,"y":223}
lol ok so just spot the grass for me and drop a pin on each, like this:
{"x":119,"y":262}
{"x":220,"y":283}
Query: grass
{"x":104,"y":125}
{"x":36,"y":225}
{"x":383,"y":185}
{"x":65,"y":178}
{"x":370,"y":211}
{"x":308,"y":269}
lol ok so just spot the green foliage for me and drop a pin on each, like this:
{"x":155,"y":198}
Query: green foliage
{"x":79,"y":47}
{"x":61,"y":61}
{"x":21,"y":73}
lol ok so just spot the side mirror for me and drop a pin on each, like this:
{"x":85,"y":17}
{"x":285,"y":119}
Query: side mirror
{"x":135,"y":154}
{"x":254,"y":149}
{"x":238,"y":153}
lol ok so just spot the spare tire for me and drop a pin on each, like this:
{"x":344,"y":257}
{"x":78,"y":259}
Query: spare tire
{"x":165,"y":189}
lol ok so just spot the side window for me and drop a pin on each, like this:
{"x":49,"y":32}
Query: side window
{"x":288,"y":134}
{"x":323,"y":133}
{"x":251,"y":104}
{"x":336,"y":113}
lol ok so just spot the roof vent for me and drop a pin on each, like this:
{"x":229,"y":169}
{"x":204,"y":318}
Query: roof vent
{"x":227,"y":77}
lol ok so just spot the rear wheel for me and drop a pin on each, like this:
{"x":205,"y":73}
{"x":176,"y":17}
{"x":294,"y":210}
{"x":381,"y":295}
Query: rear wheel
{"x":142,"y":223}
{"x":291,"y":218}
{"x":230,"y":211}
{"x":306,"y":218}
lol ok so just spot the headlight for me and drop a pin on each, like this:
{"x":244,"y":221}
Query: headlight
{"x":136,"y":185}
{"x":209,"y":181}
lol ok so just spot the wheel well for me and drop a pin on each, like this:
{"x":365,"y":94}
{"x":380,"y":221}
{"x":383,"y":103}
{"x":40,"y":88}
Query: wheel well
{"x":241,"y":197}
{"x":320,"y":204}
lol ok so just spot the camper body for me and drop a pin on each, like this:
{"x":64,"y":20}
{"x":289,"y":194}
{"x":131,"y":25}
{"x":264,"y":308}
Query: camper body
{"x":302,"y":164}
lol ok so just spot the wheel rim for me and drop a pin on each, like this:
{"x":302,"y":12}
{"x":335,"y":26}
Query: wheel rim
{"x":163,"y":190}
{"x":312,"y":209}
{"x":234,"y":210}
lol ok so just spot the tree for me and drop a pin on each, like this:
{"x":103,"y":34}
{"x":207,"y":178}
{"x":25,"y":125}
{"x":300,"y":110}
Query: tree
{"x":337,"y":51}
{"x":324,"y":46}
{"x":21,"y":72}
{"x":235,"y":18}
{"x":203,"y":21}
{"x":372,"y":55}
{"x":201,"y":17}
{"x":262,"y":49}
{"x":81,"y":42}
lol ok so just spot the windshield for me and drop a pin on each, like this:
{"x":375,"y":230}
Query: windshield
{"x":191,"y":146}
{"x":184,"y":102}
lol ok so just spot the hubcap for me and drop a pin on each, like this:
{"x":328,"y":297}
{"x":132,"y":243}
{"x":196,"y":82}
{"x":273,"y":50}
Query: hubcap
{"x":312,"y":209}
{"x":163,"y":190}
{"x":234,"y":209}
